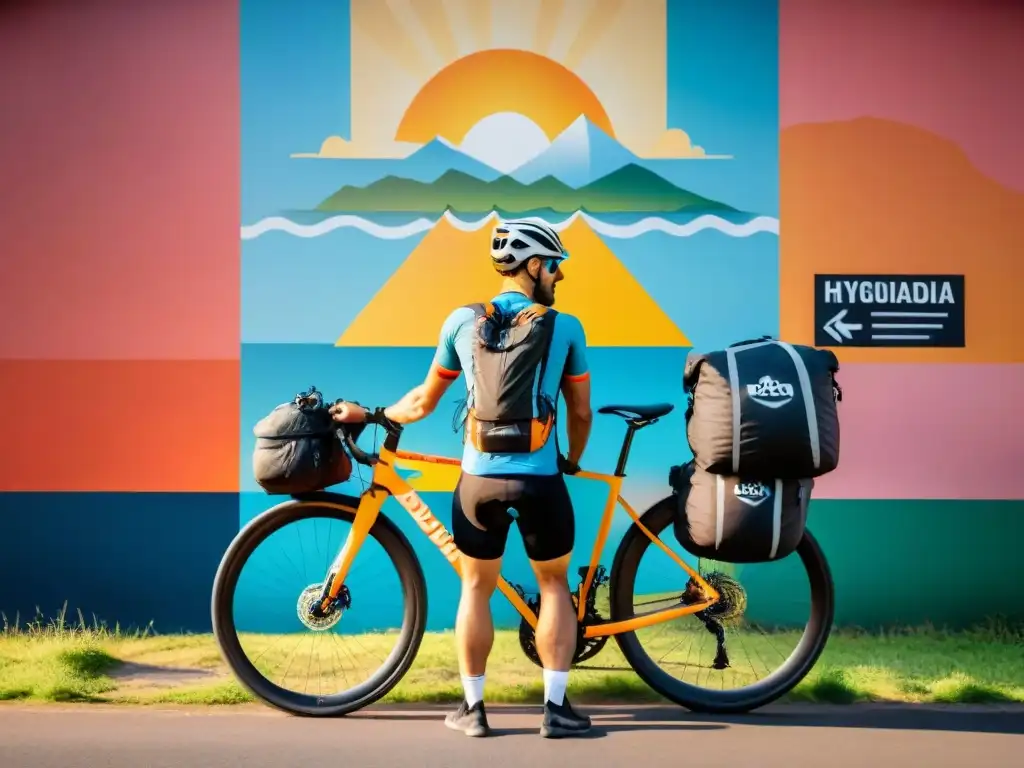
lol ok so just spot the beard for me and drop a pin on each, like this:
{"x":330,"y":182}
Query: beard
{"x":544,"y":294}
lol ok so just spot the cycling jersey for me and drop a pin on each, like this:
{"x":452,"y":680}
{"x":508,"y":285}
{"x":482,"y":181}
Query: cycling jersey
{"x":567,"y":359}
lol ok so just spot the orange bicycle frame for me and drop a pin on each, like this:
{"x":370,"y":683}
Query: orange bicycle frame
{"x":386,"y":481}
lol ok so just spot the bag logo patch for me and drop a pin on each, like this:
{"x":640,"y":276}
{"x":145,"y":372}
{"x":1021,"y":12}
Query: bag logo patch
{"x":769,"y":392}
{"x":752,"y":494}
{"x":505,"y":431}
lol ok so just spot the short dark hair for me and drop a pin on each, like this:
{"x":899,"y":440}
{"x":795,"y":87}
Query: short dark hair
{"x":517,"y":269}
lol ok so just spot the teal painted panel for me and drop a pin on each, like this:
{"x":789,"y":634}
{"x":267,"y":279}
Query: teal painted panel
{"x":909,"y":562}
{"x":951,"y":563}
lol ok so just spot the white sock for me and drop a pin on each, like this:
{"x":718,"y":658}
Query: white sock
{"x":554,"y":685}
{"x":474,"y":688}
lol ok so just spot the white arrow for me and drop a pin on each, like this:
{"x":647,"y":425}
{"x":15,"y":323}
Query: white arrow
{"x":839,"y":330}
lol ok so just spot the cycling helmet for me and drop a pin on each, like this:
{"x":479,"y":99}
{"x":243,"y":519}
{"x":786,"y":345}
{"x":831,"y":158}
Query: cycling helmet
{"x":513,"y":242}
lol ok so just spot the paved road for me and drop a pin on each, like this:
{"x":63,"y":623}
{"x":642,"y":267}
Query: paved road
{"x":395,"y":737}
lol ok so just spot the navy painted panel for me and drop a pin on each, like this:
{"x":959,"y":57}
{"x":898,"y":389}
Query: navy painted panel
{"x":133,"y":558}
{"x":130,"y":558}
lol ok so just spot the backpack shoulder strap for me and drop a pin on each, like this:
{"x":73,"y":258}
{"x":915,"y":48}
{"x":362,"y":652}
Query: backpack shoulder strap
{"x":481,"y":311}
{"x":552,"y":315}
{"x":558,"y":386}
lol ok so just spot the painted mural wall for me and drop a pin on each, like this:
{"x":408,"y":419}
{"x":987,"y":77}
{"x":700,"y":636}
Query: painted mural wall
{"x":703,"y":162}
{"x":368,"y":203}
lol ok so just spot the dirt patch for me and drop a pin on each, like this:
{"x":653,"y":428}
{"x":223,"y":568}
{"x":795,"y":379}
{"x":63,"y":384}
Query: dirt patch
{"x":135,"y":677}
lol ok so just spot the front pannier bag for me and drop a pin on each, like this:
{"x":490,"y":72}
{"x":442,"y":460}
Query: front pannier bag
{"x":299,"y":448}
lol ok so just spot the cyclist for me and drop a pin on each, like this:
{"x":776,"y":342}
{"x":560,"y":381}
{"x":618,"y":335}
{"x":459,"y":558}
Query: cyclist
{"x":517,"y":355}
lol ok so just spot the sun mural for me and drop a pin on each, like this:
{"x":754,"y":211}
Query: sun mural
{"x":551,"y":60}
{"x":471,"y":89}
{"x":446,"y":269}
{"x":492,"y":91}
{"x":466,"y":94}
{"x":466,"y":111}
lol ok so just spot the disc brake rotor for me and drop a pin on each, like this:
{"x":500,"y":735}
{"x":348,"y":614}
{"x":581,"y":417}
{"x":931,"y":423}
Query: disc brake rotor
{"x":309,"y":597}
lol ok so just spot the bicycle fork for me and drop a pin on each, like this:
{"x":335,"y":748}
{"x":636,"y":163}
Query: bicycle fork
{"x":334,"y":590}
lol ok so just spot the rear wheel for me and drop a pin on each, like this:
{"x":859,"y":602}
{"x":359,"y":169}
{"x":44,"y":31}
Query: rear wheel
{"x":343,"y":661}
{"x":756,"y":628}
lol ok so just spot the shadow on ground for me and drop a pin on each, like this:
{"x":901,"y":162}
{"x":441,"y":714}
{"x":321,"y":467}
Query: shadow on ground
{"x":953,"y":718}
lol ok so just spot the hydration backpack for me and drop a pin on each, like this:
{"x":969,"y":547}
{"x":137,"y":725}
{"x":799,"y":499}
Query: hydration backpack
{"x":507,"y":412}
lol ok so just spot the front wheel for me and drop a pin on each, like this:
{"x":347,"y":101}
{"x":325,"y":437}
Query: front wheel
{"x":758,"y":628}
{"x":295,"y":661}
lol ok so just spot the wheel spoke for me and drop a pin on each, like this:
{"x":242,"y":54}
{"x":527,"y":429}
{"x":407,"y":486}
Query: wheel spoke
{"x":260,"y":607}
{"x":722,"y":659}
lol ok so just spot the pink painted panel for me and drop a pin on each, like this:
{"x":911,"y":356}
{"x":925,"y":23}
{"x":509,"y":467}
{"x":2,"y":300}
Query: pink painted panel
{"x":929,"y":431}
{"x":948,"y":66}
{"x":119,"y":206}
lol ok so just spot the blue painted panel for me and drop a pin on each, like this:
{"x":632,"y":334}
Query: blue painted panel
{"x":127,"y":558}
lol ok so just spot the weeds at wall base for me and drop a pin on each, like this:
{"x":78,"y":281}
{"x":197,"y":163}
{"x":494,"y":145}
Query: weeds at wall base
{"x":58,"y":660}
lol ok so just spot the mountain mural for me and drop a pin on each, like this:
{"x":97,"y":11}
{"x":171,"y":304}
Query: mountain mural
{"x":579,"y":155}
{"x":629,"y":188}
{"x":436,"y":157}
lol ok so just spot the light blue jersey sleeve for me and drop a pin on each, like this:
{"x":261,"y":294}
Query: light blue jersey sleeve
{"x":576,"y":368}
{"x":447,"y":355}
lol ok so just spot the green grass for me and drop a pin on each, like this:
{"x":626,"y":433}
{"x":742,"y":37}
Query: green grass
{"x":57,"y":661}
{"x":81,"y":662}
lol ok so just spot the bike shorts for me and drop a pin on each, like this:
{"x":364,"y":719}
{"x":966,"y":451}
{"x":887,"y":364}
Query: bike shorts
{"x":485,"y":506}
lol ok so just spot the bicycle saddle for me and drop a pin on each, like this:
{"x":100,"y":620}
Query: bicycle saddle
{"x":639,"y":412}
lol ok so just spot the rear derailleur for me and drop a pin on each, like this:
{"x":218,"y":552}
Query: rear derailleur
{"x":731,"y":603}
{"x":586,"y":647}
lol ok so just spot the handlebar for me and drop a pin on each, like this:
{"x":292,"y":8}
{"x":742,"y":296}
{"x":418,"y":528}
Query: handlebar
{"x":375,"y":417}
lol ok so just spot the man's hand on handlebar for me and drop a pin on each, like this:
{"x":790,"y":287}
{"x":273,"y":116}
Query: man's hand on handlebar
{"x":348,"y":413}
{"x":567,"y":467}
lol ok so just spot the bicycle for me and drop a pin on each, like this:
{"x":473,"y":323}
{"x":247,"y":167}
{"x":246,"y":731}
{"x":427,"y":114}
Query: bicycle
{"x":714,"y":598}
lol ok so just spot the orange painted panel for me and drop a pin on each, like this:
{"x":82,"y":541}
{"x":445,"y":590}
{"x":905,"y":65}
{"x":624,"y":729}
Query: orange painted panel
{"x":89,"y":425}
{"x":879,"y":197}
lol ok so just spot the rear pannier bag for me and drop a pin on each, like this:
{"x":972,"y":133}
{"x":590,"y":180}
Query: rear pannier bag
{"x":737,"y":520}
{"x":763,"y":409}
{"x":299,"y":449}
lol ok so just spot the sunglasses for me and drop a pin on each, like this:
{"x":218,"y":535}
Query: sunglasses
{"x":554,"y":263}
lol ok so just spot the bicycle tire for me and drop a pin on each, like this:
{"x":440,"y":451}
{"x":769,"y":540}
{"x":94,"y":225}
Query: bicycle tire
{"x":819,"y":626}
{"x":414,"y":587}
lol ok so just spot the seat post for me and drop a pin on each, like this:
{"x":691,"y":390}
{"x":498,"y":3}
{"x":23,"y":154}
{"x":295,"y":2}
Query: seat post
{"x":620,"y":467}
